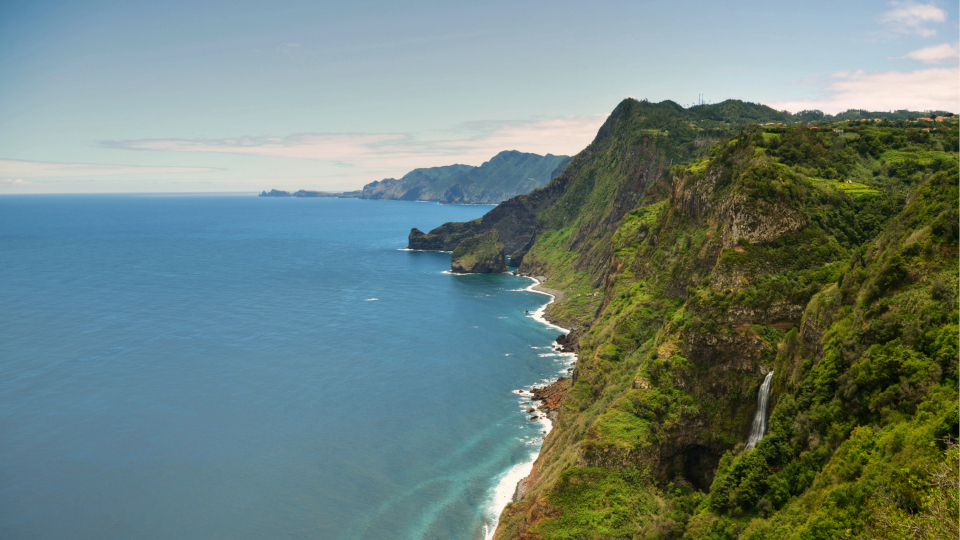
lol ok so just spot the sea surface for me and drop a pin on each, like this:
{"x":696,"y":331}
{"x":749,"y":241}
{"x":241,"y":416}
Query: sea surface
{"x":247,"y":368}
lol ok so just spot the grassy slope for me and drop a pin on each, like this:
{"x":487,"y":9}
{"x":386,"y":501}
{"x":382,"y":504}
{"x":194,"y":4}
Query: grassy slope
{"x":637,"y":145}
{"x":865,"y":381}
{"x":485,"y":249}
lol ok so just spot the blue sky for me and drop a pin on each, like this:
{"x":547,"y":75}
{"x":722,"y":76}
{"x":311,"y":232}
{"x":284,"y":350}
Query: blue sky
{"x":170,"y":96}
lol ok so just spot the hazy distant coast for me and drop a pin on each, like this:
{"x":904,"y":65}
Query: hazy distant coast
{"x":506,"y":175}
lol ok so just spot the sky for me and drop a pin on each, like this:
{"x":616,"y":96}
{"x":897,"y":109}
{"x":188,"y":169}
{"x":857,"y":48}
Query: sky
{"x":204,"y":96}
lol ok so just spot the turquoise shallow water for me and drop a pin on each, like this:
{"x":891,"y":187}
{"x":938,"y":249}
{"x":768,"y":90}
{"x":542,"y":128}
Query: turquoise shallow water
{"x":212,"y":367}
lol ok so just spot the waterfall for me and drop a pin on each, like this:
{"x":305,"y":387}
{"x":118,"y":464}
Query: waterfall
{"x":759,"y":426}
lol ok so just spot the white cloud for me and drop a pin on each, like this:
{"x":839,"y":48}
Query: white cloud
{"x":913,"y":18}
{"x":921,"y":90}
{"x":45,"y":169}
{"x":937,"y":54}
{"x":394,"y":154}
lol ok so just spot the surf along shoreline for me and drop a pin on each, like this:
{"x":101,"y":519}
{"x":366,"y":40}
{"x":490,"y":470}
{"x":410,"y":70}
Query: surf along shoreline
{"x":512,"y":484}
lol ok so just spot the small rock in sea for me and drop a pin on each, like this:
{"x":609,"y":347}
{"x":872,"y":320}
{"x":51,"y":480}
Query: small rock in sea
{"x":531,"y":409}
{"x":533,"y":417}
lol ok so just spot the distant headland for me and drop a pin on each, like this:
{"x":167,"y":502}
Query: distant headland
{"x":506,"y":175}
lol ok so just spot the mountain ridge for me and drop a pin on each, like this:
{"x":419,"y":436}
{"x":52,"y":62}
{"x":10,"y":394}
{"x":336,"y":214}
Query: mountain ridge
{"x":723,"y":250}
{"x":505,"y":175}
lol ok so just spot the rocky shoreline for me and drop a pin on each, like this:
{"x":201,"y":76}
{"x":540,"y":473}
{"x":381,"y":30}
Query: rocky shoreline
{"x":550,"y":396}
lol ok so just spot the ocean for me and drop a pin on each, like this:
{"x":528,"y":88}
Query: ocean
{"x":189,"y":366}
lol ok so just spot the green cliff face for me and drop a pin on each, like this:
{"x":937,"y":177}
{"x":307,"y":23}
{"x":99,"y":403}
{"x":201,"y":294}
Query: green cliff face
{"x":827,"y":258}
{"x":480,"y":254}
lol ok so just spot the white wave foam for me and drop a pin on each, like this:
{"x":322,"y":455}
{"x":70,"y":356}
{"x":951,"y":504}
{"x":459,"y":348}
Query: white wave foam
{"x":503,"y":493}
{"x":507,"y":483}
{"x":371,"y":299}
{"x":539,"y":315}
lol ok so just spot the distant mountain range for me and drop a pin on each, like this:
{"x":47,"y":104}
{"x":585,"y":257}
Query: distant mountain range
{"x":506,"y":175}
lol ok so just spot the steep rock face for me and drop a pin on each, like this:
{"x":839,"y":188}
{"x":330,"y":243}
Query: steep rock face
{"x":515,"y":221}
{"x":480,"y":254}
{"x":758,"y":223}
{"x":818,"y":317}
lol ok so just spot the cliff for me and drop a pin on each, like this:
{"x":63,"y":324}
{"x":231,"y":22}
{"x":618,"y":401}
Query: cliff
{"x":480,"y":254}
{"x":697,"y":255}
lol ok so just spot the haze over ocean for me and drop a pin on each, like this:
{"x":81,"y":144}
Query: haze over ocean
{"x":241,"y":367}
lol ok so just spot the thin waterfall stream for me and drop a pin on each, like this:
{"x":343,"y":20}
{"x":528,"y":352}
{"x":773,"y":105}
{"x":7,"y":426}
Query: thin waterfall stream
{"x":759,"y":426}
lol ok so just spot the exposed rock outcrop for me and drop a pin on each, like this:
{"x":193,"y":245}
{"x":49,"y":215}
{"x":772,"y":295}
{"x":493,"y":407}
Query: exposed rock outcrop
{"x":569,"y":342}
{"x":759,"y":223}
{"x":552,"y":395}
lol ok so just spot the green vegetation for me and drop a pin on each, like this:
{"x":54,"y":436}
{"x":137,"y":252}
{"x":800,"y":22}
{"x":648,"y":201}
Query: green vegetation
{"x":830,"y":260}
{"x":481,"y":254}
{"x":508,"y":174}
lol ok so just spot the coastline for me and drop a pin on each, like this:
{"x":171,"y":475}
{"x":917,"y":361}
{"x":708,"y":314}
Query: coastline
{"x":511,"y":486}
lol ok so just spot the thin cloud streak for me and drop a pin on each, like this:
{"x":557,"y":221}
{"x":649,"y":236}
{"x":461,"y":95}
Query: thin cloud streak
{"x":397,"y":153}
{"x":921,"y":90}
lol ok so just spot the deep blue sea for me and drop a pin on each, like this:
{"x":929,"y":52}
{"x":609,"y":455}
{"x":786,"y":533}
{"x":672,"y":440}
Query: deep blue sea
{"x":248,"y":368}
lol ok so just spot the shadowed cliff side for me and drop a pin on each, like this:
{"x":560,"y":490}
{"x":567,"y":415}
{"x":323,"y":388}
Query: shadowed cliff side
{"x":514,"y":220}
